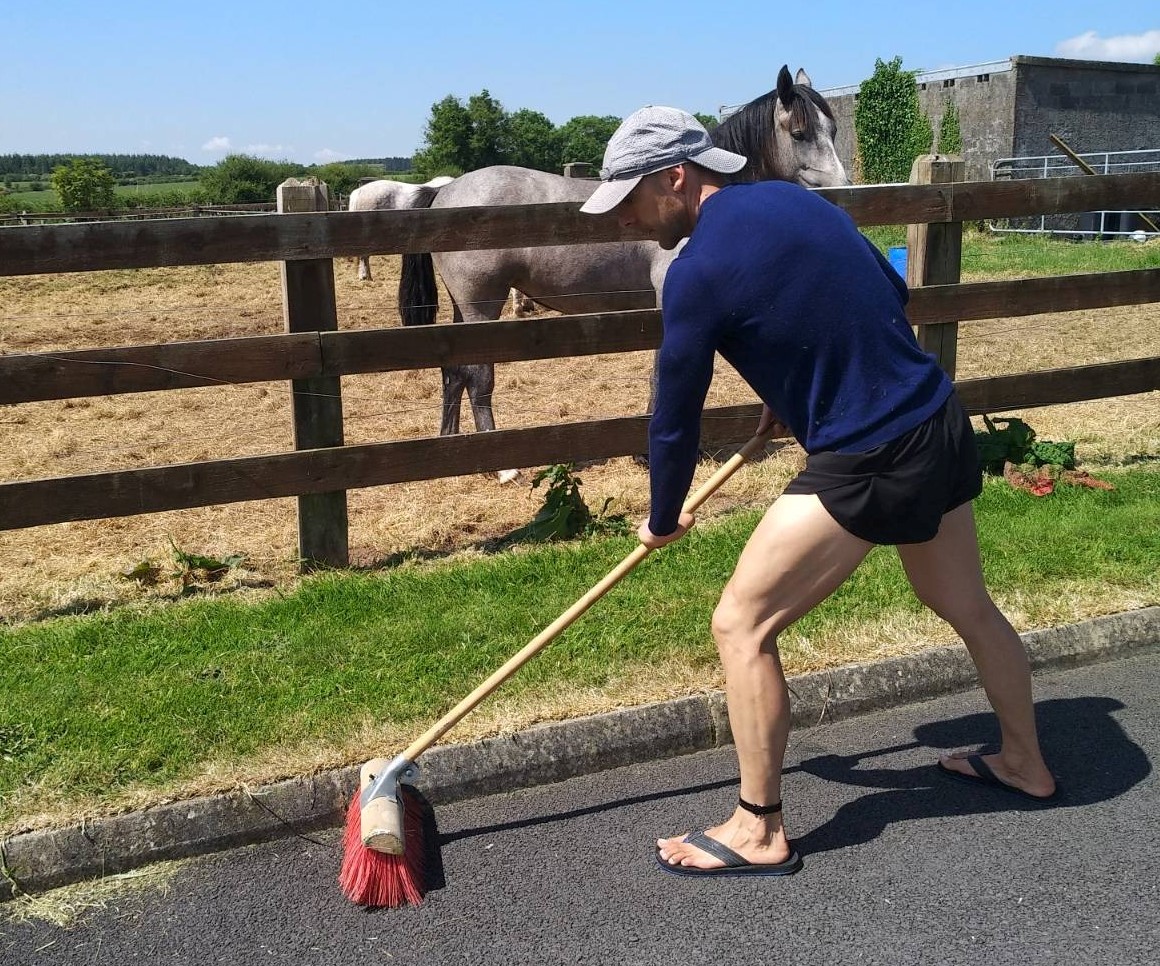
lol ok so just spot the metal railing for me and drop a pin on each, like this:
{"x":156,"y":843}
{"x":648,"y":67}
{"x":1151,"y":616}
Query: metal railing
{"x":1091,"y":224}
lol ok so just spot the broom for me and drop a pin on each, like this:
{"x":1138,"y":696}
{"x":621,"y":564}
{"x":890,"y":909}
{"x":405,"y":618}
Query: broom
{"x":390,"y":843}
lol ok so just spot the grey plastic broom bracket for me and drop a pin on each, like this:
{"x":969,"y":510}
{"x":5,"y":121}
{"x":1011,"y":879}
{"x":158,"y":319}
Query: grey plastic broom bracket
{"x":387,"y":783}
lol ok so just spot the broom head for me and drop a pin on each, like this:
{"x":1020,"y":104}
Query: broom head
{"x":376,"y":878}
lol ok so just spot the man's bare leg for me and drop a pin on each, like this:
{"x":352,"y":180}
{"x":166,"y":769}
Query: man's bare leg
{"x":947,"y":576}
{"x":797,"y":556}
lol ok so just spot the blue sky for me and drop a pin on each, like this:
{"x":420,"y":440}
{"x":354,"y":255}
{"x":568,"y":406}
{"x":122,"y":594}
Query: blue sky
{"x":312,"y":82}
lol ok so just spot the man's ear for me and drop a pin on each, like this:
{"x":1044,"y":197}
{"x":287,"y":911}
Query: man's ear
{"x":677,"y":177}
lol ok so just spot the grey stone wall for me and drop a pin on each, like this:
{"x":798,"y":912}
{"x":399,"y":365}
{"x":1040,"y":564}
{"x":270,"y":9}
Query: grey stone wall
{"x":986,"y":106}
{"x":1093,"y":105}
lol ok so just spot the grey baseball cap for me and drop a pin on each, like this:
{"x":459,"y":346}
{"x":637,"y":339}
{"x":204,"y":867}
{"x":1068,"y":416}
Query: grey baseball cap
{"x":650,"y":140}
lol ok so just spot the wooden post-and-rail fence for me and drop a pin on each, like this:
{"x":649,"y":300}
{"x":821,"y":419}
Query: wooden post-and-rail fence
{"x":314,"y":353}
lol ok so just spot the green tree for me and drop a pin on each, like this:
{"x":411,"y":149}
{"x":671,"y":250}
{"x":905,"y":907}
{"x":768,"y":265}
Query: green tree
{"x":343,"y":177}
{"x":447,"y":140}
{"x":584,"y":138}
{"x":488,"y":141}
{"x":950,"y":135}
{"x":708,"y":120}
{"x":891,"y":128}
{"x":533,"y":141}
{"x":84,"y":184}
{"x":240,"y":179}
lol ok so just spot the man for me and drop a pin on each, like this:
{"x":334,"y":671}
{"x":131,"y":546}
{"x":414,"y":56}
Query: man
{"x":781,"y":284}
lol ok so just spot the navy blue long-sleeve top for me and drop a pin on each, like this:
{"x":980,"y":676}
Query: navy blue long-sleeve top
{"x":784,"y":286}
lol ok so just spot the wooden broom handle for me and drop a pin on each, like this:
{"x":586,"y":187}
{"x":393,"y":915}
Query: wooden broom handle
{"x":561,"y":623}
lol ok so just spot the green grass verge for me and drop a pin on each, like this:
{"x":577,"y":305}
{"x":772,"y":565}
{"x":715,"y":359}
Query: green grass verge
{"x":97,"y":704}
{"x":987,"y":255}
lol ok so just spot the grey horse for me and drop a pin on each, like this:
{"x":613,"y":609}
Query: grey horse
{"x":385,"y":194}
{"x":787,"y":133}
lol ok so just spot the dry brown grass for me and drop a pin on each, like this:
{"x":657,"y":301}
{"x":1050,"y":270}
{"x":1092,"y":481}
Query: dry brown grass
{"x":79,"y":566}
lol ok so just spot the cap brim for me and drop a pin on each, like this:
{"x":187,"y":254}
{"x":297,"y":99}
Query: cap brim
{"x":720,"y":160}
{"x":609,"y":195}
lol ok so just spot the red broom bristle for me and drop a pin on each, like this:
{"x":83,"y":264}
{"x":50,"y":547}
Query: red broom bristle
{"x":375,"y":879}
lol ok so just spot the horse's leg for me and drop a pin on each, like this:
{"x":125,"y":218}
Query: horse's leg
{"x":480,"y":379}
{"x":454,"y":382}
{"x":364,"y":269}
{"x":653,"y":379}
{"x":480,"y":386}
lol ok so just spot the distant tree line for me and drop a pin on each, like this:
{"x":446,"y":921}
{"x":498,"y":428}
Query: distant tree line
{"x":88,"y":184}
{"x":461,"y":137}
{"x":29,"y":166}
{"x":458,"y":137}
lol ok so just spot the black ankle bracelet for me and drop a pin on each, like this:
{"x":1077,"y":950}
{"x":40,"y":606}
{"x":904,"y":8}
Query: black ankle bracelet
{"x":759,"y":809}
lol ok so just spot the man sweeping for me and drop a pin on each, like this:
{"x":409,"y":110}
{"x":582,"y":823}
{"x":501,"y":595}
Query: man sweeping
{"x":781,"y":284}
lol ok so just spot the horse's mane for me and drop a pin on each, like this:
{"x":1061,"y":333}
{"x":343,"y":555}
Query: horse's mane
{"x":747,"y":131}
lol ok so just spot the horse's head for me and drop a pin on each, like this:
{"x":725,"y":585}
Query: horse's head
{"x":787,"y":134}
{"x":804,"y":128}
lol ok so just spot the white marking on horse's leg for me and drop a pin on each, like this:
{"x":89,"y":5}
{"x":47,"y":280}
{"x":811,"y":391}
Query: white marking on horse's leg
{"x":507,"y":476}
{"x":364,"y":269}
{"x":521,"y":304}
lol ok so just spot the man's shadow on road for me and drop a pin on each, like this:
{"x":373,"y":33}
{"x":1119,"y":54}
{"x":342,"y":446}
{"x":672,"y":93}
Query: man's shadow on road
{"x":1091,"y":756}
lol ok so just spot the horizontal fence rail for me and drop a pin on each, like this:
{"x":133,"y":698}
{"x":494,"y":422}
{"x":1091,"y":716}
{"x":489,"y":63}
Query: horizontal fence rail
{"x":28,"y":503}
{"x":306,"y":241}
{"x":202,"y":241}
{"x":182,"y":365}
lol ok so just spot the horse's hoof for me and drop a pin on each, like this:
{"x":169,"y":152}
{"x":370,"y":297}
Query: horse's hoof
{"x":507,"y":476}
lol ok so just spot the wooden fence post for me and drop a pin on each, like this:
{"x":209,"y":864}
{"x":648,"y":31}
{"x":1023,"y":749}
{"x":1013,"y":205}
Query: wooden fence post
{"x":935,"y":254}
{"x":308,"y":305}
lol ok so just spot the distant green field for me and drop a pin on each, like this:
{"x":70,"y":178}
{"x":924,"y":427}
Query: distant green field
{"x":38,"y":199}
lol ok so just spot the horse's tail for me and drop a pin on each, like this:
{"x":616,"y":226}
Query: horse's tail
{"x":418,"y":293}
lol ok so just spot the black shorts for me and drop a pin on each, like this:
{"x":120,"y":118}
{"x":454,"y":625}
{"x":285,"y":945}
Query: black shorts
{"x":898,"y":492}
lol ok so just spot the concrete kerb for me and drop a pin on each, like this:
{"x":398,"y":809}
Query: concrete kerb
{"x":37,"y":861}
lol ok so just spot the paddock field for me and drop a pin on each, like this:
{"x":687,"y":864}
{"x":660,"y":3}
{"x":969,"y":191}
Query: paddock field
{"x":76,"y":567}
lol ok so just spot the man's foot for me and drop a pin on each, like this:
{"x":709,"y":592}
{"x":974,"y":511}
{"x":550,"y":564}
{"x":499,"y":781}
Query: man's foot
{"x":759,"y":841}
{"x":1032,"y":782}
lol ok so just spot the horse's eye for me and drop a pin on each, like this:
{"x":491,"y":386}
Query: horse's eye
{"x":798,"y":135}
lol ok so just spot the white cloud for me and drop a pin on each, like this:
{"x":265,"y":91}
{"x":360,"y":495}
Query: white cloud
{"x":1139,"y":48}
{"x":326,"y":155}
{"x":268,"y":150}
{"x":216,"y":144}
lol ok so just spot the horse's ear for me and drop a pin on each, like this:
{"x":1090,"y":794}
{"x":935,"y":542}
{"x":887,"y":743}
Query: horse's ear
{"x":784,"y":86}
{"x":802,"y":78}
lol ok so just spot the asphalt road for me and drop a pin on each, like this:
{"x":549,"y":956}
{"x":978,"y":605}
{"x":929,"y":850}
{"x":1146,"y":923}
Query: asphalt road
{"x":902,"y":866}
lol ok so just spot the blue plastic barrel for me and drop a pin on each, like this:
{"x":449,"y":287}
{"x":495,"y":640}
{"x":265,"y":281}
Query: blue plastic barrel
{"x":897,"y":258}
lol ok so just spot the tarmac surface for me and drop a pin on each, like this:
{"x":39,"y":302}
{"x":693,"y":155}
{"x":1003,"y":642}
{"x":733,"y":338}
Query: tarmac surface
{"x":901,"y":865}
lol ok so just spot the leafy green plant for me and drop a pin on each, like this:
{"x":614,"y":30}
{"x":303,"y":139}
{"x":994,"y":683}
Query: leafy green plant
{"x":84,"y":184}
{"x":564,"y":514}
{"x":891,"y":128}
{"x":950,"y":135}
{"x":195,"y":568}
{"x":1013,"y":441}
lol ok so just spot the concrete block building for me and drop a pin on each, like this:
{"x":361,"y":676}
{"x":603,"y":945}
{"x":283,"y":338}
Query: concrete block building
{"x":1008,"y":108}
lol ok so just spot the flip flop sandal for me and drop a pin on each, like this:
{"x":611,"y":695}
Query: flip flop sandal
{"x":734,"y":864}
{"x":986,"y":778}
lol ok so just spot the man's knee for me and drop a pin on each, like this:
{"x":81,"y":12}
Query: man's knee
{"x":960,"y":609}
{"x":738,"y":631}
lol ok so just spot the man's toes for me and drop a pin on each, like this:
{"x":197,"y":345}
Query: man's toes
{"x":958,"y":762}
